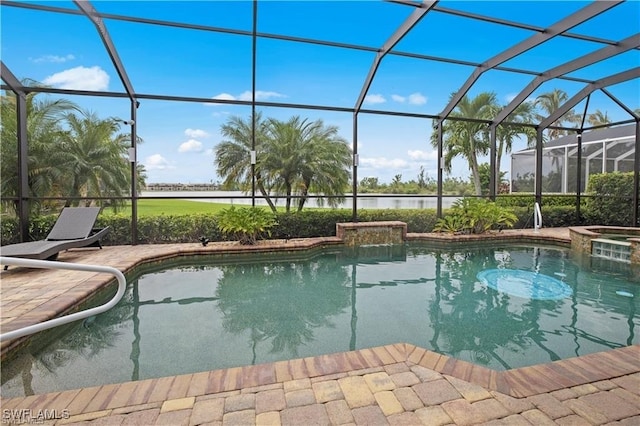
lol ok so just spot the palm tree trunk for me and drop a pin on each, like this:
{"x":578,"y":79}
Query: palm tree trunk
{"x":266,"y":197}
{"x":288,"y":205}
{"x":75,"y":192}
{"x":305,"y":193}
{"x":264,"y":192}
{"x":473,"y":162}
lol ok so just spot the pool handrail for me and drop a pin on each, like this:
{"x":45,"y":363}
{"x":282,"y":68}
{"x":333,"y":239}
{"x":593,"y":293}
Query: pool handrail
{"x":55,"y":322}
{"x":537,"y":217}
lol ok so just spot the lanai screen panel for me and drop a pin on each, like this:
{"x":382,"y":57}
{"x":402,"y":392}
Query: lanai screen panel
{"x":233,"y":15}
{"x":560,"y":164}
{"x":58,"y":50}
{"x":523,"y":166}
{"x":347,"y":22}
{"x":620,"y":156}
{"x":553,"y":169}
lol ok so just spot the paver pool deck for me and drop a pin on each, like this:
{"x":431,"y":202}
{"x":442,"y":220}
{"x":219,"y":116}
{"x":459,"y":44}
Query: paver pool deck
{"x":396,"y":384}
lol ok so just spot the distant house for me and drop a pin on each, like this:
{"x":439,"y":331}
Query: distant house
{"x":603,"y":151}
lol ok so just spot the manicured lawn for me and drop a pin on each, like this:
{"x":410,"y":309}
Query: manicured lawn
{"x":170,"y":207}
{"x":174,"y":207}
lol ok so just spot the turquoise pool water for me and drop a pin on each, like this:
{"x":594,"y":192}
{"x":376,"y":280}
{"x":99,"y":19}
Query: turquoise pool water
{"x":234,"y":311}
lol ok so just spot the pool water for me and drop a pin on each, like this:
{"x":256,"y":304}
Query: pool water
{"x":233,"y":311}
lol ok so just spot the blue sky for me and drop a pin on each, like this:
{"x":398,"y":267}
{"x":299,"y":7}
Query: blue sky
{"x":64,"y":51}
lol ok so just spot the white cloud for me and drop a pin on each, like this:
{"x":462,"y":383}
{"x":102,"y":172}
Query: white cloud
{"x":417,"y":99}
{"x":225,"y":97}
{"x":422,"y":155}
{"x":374,"y":99}
{"x":384,"y":163}
{"x":196,"y":133}
{"x":191,"y":145}
{"x":509,"y":97}
{"x":398,"y":98}
{"x":79,"y":78}
{"x":53,"y":58}
{"x":157,"y":162}
{"x":260,"y":95}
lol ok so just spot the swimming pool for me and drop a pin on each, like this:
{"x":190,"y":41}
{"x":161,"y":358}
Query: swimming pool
{"x":232,"y":311}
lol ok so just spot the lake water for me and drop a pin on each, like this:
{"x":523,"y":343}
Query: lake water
{"x":368,"y":201}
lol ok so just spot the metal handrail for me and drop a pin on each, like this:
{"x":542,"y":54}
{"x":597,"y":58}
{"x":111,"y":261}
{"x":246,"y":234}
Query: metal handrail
{"x":537,"y":219}
{"x":32,"y":263}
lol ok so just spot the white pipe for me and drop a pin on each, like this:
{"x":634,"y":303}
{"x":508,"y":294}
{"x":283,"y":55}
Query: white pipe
{"x":537,"y":217}
{"x":32,"y":263}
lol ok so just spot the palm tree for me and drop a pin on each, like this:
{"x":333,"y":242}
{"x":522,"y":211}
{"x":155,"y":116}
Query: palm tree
{"x":548,"y":103}
{"x":233,"y":156}
{"x":306,"y":157}
{"x":598,"y":118}
{"x":45,"y":118}
{"x":468,"y":139}
{"x":295,"y":158}
{"x":92,"y":156}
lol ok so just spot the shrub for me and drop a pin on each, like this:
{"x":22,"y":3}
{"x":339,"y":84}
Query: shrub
{"x":9,"y":230}
{"x":39,"y":227}
{"x":189,"y":228}
{"x":527,"y":200}
{"x":322,"y":223}
{"x":475,"y":216}
{"x":119,"y":228}
{"x":552,"y":217}
{"x":246,"y":224}
{"x":417,"y":220}
{"x":560,"y":216}
{"x":309,"y":223}
{"x":611,"y":199}
{"x":451,"y":223}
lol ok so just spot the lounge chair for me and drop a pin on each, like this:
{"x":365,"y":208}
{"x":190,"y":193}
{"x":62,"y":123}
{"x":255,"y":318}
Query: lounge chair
{"x":73,"y":229}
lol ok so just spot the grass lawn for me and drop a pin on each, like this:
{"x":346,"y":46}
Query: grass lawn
{"x":170,"y":207}
{"x":175,"y":207}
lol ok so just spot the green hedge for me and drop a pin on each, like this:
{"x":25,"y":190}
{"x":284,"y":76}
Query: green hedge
{"x":552,"y":217}
{"x":190,"y":227}
{"x":151,"y":229}
{"x":308,"y":223}
{"x":611,"y":199}
{"x":527,"y":200}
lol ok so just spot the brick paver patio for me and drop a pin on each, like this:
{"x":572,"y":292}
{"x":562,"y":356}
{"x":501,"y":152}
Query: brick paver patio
{"x":396,"y":384}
